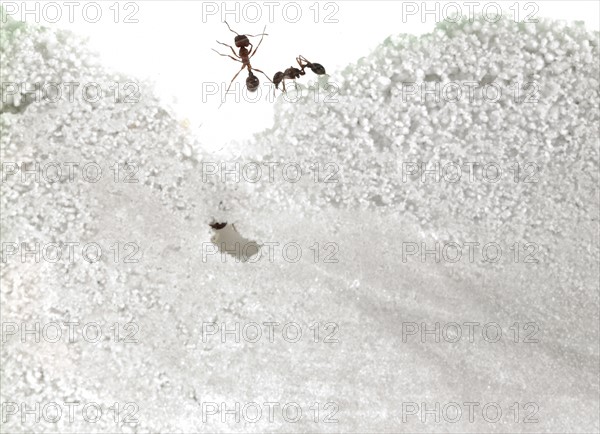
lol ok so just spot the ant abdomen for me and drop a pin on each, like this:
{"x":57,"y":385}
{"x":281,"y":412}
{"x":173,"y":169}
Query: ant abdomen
{"x":252,"y":82}
{"x":317,"y":68}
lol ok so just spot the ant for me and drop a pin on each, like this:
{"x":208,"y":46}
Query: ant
{"x":217,"y":226}
{"x":317,"y":68}
{"x":293,"y":73}
{"x":242,"y":42}
{"x":289,"y":74}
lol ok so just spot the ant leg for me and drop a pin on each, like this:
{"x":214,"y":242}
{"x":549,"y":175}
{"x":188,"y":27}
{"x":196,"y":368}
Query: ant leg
{"x":298,"y":59}
{"x":260,"y":42}
{"x":302,"y":58}
{"x":226,"y":55}
{"x":263,"y":74}
{"x":282,"y":89}
{"x":234,"y":77}
{"x":231,"y":82}
{"x":231,"y":48}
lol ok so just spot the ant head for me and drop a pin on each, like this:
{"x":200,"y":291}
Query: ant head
{"x":277,"y":78}
{"x":252,"y":82}
{"x":317,"y":68}
{"x":241,"y":41}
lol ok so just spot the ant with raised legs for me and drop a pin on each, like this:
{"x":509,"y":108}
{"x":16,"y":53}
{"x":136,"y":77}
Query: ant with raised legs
{"x":317,"y":68}
{"x":293,"y":73}
{"x":243,"y":56}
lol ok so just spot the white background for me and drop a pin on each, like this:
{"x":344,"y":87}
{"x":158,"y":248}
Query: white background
{"x":172,"y":40}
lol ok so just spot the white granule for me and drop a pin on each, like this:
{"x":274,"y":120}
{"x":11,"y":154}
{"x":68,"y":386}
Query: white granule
{"x":366,"y":136}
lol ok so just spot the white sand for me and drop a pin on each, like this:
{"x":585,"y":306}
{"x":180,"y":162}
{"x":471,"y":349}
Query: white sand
{"x":368,"y":214}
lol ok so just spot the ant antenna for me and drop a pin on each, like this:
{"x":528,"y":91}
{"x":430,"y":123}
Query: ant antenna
{"x":252,"y":36}
{"x":231,"y":28}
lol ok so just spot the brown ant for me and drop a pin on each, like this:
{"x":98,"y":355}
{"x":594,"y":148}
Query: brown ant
{"x":242,"y":42}
{"x":293,"y":73}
